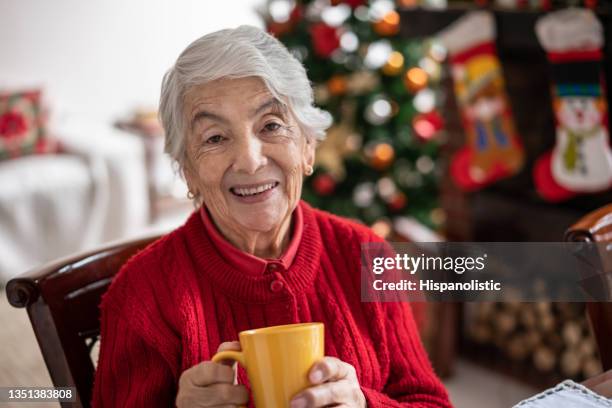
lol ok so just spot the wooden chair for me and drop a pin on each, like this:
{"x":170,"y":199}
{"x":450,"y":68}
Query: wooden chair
{"x":62,"y":300}
{"x":597,"y":227}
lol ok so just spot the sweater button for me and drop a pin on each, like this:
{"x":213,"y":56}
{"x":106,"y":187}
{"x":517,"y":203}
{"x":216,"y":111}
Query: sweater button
{"x":273,"y":267}
{"x":277,"y":285}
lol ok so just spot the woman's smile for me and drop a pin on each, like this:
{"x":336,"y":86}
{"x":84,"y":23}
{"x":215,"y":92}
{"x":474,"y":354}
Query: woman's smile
{"x":254,"y":193}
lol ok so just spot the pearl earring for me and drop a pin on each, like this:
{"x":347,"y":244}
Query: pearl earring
{"x":309,"y":170}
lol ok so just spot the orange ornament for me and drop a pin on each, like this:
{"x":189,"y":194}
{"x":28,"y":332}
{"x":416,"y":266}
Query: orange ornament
{"x":337,"y":85}
{"x":415,"y":79}
{"x":389,"y":25}
{"x":382,"y":156}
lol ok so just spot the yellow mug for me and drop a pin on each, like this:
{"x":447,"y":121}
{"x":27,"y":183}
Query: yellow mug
{"x":277,"y":360}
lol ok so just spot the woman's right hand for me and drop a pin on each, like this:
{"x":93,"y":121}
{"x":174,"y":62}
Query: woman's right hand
{"x":601,"y":384}
{"x":211,"y":384}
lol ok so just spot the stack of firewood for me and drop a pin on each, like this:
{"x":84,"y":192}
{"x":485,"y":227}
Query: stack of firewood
{"x":552,"y":337}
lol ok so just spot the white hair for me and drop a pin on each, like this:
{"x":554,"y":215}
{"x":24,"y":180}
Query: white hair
{"x":237,"y":53}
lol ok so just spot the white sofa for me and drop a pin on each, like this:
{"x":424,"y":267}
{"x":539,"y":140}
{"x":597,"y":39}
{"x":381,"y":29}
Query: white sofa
{"x":55,"y":205}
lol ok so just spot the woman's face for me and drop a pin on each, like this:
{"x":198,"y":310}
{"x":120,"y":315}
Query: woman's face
{"x":246,"y":155}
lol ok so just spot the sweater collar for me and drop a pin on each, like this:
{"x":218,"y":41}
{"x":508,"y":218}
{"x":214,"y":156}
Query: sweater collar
{"x":260,"y":288}
{"x":246,"y":262}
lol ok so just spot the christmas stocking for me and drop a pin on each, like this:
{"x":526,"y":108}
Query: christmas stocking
{"x":493,"y":149}
{"x":581,"y":160}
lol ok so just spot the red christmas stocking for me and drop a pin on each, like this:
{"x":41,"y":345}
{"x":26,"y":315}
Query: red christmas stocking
{"x":493,"y":149}
{"x":581,"y":161}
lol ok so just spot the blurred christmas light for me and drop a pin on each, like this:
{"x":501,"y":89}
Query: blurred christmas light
{"x":362,"y":13}
{"x":435,"y":4}
{"x":380,"y":8}
{"x":394,"y":64}
{"x":378,"y":111}
{"x":427,"y":125}
{"x":431,"y":67}
{"x":382,"y":228}
{"x":349,"y":41}
{"x":425,"y":164}
{"x":280,"y":10}
{"x":437,"y":51}
{"x":381,"y":155}
{"x":415,"y":79}
{"x":337,"y":85}
{"x":363,"y":195}
{"x":386,"y":188}
{"x":389,"y":25}
{"x":378,"y":54}
{"x":423,"y":128}
{"x":336,"y":15}
{"x":424,"y":101}
{"x":438,"y":216}
{"x":353,"y":142}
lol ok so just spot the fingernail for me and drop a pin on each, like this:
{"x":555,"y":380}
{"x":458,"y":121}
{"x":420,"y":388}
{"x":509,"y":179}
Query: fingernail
{"x":298,"y":403}
{"x":316,"y":376}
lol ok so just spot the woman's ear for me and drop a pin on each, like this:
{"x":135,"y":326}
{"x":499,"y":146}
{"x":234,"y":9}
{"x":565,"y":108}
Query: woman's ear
{"x":309,"y":151}
{"x":190,"y":178}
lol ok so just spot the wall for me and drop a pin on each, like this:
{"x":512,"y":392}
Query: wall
{"x":100,"y":59}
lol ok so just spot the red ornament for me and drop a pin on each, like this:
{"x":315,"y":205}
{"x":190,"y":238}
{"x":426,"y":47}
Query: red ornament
{"x":325,"y":39}
{"x":324,"y":184}
{"x":398,"y":202}
{"x":427,"y":125}
{"x":353,"y":3}
{"x":12,"y":125}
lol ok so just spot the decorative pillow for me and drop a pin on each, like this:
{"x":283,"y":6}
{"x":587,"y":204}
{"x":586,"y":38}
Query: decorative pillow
{"x":22,"y":125}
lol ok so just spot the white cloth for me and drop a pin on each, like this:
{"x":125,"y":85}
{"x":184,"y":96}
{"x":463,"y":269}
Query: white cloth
{"x":567,"y":394}
{"x":56,"y":205}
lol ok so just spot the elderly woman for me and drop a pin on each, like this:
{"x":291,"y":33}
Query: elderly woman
{"x":238,"y":113}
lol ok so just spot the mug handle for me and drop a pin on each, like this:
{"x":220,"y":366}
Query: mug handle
{"x":230,"y":355}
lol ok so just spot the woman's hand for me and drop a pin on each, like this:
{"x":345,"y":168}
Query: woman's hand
{"x":211,"y":384}
{"x":334,"y":384}
{"x":600,"y":384}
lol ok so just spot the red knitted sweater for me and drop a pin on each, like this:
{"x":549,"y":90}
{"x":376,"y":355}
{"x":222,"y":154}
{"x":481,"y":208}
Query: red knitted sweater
{"x":173,"y":303}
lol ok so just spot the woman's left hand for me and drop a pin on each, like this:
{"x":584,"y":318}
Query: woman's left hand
{"x":334,"y":383}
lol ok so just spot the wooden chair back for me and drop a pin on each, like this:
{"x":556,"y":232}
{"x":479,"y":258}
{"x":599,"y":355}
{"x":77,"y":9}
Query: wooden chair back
{"x":62,"y":300}
{"x":597,"y":227}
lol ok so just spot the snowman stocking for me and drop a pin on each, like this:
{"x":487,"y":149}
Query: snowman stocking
{"x":581,"y":160}
{"x":493,"y":149}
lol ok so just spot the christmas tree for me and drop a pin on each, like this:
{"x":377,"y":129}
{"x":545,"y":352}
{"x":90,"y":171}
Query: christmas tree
{"x":379,"y":159}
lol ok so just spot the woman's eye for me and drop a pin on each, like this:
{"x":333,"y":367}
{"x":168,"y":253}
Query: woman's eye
{"x":272,"y":127}
{"x":214,"y":139}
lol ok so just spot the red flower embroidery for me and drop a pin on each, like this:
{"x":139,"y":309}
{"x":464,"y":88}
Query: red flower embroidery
{"x":324,"y":39}
{"x":12,"y":125}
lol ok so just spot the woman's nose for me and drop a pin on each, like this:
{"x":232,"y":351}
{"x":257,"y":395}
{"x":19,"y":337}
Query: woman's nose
{"x":249,"y":156}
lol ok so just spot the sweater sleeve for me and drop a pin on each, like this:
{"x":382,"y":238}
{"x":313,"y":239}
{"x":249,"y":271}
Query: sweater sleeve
{"x":130,"y":372}
{"x":411,"y":382}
